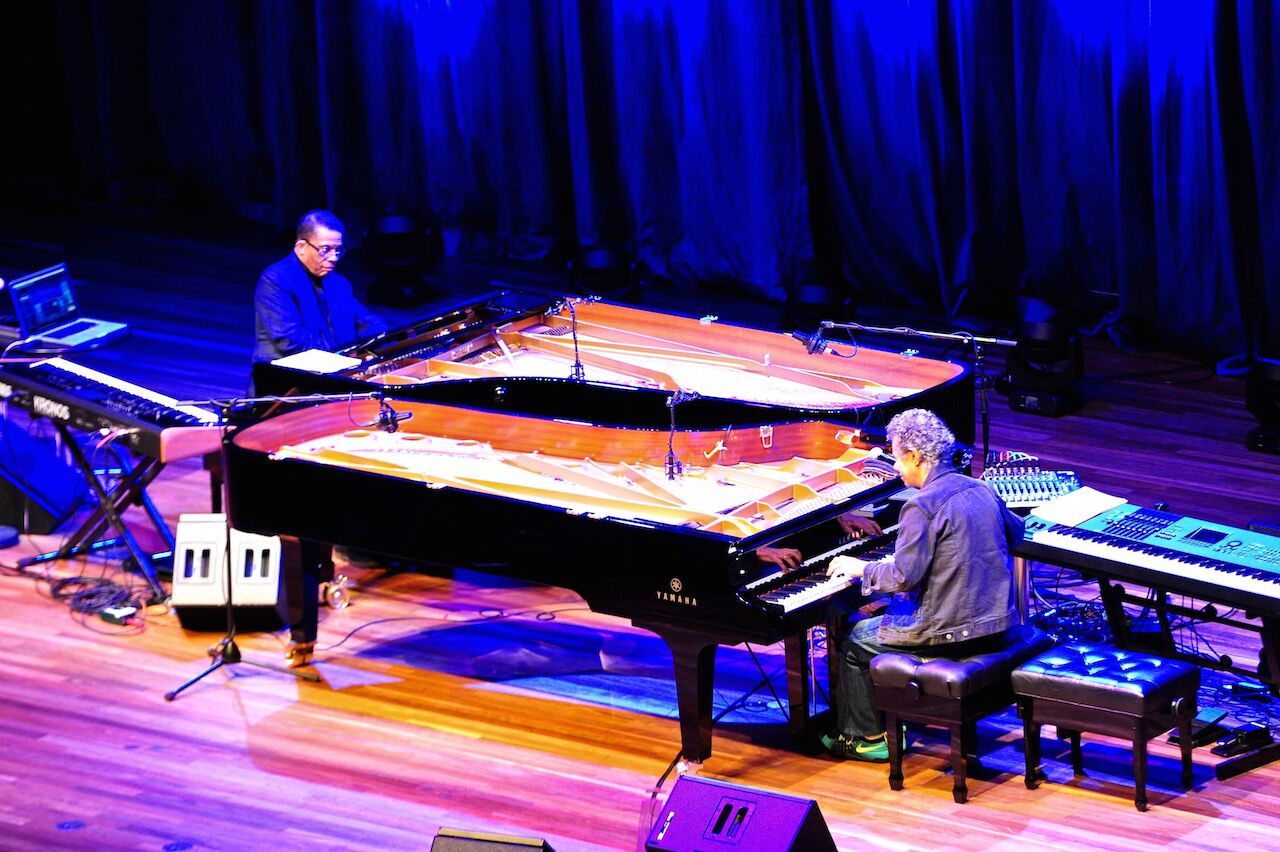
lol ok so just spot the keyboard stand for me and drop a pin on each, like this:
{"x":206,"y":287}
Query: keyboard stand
{"x":129,"y":490}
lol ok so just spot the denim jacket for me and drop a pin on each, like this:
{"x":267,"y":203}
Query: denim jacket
{"x":949,"y":574}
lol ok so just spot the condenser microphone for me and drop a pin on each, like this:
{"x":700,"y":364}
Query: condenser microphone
{"x":388,"y":419}
{"x":881,"y":453}
{"x":814,"y":344}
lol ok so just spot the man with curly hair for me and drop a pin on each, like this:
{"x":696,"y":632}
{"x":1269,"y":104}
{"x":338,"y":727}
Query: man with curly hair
{"x":949,"y":578}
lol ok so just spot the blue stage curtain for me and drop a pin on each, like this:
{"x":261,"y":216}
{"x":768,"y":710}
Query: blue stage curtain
{"x":1116,"y":157}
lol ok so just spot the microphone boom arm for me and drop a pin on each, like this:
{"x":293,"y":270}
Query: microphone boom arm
{"x":904,"y":331}
{"x":977,"y":341}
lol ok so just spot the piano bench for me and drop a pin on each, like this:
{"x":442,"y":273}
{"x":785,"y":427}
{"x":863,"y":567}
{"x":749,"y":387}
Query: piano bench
{"x":1106,"y":690}
{"x":952,"y":693}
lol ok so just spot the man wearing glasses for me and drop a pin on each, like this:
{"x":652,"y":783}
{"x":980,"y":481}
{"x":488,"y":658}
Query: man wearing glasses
{"x":301,"y":303}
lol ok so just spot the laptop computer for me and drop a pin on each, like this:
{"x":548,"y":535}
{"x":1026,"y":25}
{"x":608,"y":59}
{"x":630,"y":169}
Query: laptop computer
{"x":45,"y":306}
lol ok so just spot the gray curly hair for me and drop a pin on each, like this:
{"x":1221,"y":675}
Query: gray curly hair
{"x":924,"y":432}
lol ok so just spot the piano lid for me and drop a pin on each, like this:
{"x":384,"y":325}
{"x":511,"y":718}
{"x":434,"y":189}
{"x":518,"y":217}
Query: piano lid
{"x":608,"y":363}
{"x":615,"y":344}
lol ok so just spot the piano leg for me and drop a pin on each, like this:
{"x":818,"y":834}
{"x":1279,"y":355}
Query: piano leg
{"x":796,"y":649}
{"x":693,"y":653}
{"x":213,"y":464}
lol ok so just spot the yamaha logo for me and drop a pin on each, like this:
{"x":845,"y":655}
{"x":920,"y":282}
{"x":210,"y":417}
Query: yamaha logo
{"x":49,"y":408}
{"x":677,"y":586}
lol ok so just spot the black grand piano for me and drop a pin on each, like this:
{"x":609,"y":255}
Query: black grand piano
{"x":599,"y":362}
{"x":660,"y":527}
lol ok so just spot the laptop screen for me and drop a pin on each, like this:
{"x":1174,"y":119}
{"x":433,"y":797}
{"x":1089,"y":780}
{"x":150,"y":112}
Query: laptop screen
{"x":43,"y":299}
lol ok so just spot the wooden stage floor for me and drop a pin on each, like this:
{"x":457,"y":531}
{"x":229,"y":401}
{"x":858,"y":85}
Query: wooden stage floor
{"x":477,"y":703}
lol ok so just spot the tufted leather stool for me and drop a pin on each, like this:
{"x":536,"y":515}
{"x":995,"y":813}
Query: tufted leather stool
{"x":1106,"y":690}
{"x":953,"y":693}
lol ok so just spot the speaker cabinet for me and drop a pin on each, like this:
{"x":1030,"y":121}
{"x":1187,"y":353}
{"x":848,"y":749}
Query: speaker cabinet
{"x":702,"y":814}
{"x":200,"y":575}
{"x":39,"y":489}
{"x":456,"y":840}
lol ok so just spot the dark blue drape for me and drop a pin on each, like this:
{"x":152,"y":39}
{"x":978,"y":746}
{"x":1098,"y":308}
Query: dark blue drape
{"x":1114,"y":157}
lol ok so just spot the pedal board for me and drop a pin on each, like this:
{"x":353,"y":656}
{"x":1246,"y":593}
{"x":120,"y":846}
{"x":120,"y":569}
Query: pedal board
{"x":1242,"y":739}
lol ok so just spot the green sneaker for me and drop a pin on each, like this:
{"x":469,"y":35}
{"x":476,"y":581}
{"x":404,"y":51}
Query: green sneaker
{"x":857,"y":748}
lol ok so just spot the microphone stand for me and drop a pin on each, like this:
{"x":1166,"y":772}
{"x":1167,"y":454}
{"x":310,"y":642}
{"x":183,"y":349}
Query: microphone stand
{"x":226,"y":652}
{"x":674,"y":468}
{"x":979,"y":361}
{"x":579,"y":372}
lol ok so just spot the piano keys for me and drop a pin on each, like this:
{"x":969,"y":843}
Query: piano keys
{"x":89,"y":400}
{"x":584,"y":359}
{"x":585,"y":507}
{"x":787,"y":591}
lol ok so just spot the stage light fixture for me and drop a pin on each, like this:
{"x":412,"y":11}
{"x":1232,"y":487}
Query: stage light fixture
{"x":1043,"y":369}
{"x":1262,"y":398}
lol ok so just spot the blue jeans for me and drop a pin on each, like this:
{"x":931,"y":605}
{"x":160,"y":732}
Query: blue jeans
{"x":856,"y":713}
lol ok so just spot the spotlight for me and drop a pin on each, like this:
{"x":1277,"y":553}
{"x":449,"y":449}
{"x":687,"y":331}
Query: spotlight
{"x":1262,"y":398}
{"x":1042,"y":370}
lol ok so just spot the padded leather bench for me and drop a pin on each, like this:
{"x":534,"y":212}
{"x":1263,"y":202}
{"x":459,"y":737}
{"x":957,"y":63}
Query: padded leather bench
{"x":1106,"y":690}
{"x":953,"y":693}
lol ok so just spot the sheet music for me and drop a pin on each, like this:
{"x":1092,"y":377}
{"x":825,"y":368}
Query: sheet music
{"x":1078,"y":506}
{"x":317,"y":361}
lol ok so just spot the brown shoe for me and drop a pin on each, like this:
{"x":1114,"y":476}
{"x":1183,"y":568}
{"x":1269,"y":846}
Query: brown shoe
{"x":299,"y":654}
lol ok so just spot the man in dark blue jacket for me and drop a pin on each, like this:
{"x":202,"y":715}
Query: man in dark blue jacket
{"x":301,"y":303}
{"x":949,"y":578}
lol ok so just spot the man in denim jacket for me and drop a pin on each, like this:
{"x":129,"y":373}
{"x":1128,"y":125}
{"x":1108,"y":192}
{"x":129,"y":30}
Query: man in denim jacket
{"x":949,"y":577}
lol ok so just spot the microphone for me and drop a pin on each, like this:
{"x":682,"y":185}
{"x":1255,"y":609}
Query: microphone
{"x":388,"y":419}
{"x":814,"y":344}
{"x":881,"y":453}
{"x":681,"y":396}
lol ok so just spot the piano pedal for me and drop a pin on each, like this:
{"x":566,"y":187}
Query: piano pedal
{"x":335,"y":594}
{"x":688,"y":767}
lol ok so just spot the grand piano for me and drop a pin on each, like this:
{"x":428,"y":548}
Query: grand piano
{"x":589,"y":360}
{"x":659,"y":527}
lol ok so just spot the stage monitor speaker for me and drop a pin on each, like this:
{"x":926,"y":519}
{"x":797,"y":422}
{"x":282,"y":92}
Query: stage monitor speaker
{"x":702,"y":814}
{"x":39,"y":489}
{"x":200,"y":575}
{"x":457,"y":840}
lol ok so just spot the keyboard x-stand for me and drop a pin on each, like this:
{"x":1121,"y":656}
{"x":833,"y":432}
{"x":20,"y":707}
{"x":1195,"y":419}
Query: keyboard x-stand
{"x":157,"y":427}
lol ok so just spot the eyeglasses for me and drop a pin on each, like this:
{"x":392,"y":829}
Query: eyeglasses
{"x":325,"y":251}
